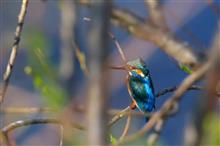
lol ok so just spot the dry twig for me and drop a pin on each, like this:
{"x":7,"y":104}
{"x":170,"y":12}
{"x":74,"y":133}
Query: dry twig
{"x":14,"y":50}
{"x":17,"y":124}
{"x":127,"y":126}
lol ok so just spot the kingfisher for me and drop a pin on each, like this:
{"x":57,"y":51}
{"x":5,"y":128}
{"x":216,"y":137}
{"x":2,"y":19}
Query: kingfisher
{"x":140,"y":86}
{"x":139,"y":82}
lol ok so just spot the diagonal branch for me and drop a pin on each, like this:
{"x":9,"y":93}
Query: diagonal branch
{"x":14,"y":50}
{"x":137,"y":27}
{"x":162,"y":113}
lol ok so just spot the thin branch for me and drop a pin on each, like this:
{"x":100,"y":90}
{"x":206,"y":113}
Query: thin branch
{"x":162,"y":113}
{"x":26,"y":110}
{"x":172,"y":89}
{"x":67,"y":13}
{"x":14,"y":51}
{"x":120,"y":50}
{"x":118,"y":46}
{"x":21,"y":123}
{"x":119,"y":115}
{"x":137,"y":26}
{"x":127,"y":126}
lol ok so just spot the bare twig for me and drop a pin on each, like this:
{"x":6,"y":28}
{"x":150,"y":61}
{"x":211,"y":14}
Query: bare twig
{"x":120,"y":50}
{"x":127,"y":126}
{"x":17,"y":124}
{"x":26,"y":110}
{"x":22,"y":123}
{"x":14,"y":50}
{"x":162,"y":113}
{"x":119,"y":115}
{"x":137,"y":26}
{"x":172,"y":89}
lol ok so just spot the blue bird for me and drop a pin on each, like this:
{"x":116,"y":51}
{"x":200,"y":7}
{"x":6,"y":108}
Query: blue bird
{"x":140,"y":86}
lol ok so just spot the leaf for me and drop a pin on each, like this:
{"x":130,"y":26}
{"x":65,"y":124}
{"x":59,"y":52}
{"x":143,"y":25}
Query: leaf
{"x":185,"y":68}
{"x":54,"y":95}
{"x":113,"y":140}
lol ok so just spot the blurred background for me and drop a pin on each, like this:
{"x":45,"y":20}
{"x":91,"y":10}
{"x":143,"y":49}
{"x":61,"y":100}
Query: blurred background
{"x":47,"y":71}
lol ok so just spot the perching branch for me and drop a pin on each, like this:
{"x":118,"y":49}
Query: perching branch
{"x":119,"y":115}
{"x":172,"y":89}
{"x":127,"y":126}
{"x":167,"y":106}
{"x":14,"y":51}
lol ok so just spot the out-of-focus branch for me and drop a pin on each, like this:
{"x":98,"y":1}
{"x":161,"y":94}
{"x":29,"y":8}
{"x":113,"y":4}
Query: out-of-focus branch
{"x":21,"y":123}
{"x":127,"y":126}
{"x":137,"y":26}
{"x":152,"y":139}
{"x":98,"y":75}
{"x":17,"y":124}
{"x":209,"y":107}
{"x":119,"y":115}
{"x":14,"y":50}
{"x":66,"y":67}
{"x":80,"y":109}
{"x":156,"y":14}
{"x":168,"y":105}
{"x":26,"y":110}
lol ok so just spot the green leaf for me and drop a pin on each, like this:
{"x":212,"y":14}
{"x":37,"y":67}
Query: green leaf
{"x":113,"y":140}
{"x":185,"y":68}
{"x":43,"y":71}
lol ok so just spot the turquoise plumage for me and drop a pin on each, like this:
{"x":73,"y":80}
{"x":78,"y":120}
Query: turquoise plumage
{"x":140,"y":86}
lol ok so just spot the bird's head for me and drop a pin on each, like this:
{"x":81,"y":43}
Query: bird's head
{"x":137,"y":68}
